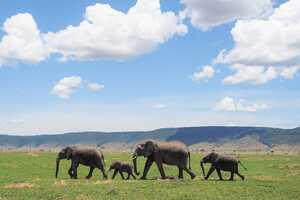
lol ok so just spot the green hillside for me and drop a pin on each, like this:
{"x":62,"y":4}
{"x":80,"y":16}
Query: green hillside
{"x":189,"y":135}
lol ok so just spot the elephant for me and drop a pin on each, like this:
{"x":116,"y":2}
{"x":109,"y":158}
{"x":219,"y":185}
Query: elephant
{"x":221,"y":162}
{"x":122,"y":167}
{"x":170,"y":153}
{"x":88,"y":157}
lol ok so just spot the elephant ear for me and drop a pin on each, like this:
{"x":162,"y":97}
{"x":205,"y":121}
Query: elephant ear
{"x":150,"y":147}
{"x":213,"y":157}
{"x":69,"y":153}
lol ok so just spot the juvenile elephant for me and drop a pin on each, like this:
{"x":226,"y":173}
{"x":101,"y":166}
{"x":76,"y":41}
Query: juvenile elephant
{"x":122,"y":167}
{"x":88,"y":157}
{"x":170,"y":153}
{"x":221,"y":162}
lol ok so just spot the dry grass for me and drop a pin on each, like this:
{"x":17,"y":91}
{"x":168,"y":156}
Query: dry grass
{"x":83,"y":197}
{"x":33,"y":154}
{"x":60,"y":183}
{"x":104,"y":182}
{"x":264,"y":178}
{"x":290,"y":167}
{"x":19,"y":186}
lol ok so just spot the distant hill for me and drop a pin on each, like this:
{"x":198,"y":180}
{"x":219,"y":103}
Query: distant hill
{"x":237,"y":137}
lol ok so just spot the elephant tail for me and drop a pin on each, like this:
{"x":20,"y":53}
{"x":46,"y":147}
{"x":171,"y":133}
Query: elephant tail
{"x":242,"y":165}
{"x":189,"y":154}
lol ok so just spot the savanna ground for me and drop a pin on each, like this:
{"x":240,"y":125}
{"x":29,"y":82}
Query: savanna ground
{"x":31,"y":176}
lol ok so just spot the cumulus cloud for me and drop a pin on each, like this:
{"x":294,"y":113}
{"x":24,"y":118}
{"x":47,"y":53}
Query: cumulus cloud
{"x":104,"y":33}
{"x":289,"y":72}
{"x":22,"y":41}
{"x":207,"y":14}
{"x":270,"y":46}
{"x":232,"y":105}
{"x":254,"y":74}
{"x":258,"y":74}
{"x":206,"y":73}
{"x":111,"y":34}
{"x":95,"y":87}
{"x":66,"y":86}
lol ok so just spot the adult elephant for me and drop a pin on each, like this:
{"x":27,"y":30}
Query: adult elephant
{"x":221,"y":163}
{"x":88,"y":157}
{"x":170,"y":153}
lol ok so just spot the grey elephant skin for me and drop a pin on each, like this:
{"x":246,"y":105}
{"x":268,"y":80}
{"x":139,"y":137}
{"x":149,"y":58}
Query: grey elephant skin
{"x":170,"y":153}
{"x":221,"y":163}
{"x":120,"y":168}
{"x":87,"y":157}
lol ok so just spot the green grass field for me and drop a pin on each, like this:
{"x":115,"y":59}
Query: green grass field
{"x":31,"y":176}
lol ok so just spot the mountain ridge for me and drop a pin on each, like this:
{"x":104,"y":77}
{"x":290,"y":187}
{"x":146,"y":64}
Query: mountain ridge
{"x":217,"y":135}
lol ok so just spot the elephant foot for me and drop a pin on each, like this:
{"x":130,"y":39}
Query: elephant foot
{"x":193,"y":176}
{"x":88,"y":177}
{"x":205,"y":178}
{"x":143,"y":178}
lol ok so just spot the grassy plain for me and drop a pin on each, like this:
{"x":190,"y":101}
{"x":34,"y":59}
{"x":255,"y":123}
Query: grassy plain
{"x":30,"y":175}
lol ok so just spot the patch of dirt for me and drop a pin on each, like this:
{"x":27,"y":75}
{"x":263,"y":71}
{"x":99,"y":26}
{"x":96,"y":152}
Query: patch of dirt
{"x":19,"y":186}
{"x":82,"y":197}
{"x":264,"y":178}
{"x":60,"y":183}
{"x":104,"y":182}
{"x":290,"y":167}
{"x":33,"y":154}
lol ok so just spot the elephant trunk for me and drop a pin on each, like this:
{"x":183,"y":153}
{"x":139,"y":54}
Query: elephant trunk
{"x":57,"y":167}
{"x":134,"y":157}
{"x":202,"y":167}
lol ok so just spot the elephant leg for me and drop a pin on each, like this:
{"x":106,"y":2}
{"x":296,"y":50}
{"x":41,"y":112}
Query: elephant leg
{"x":133,"y":176}
{"x":103,"y":172}
{"x":148,"y":164}
{"x":211,"y":170}
{"x":90,"y":173}
{"x":70,"y":172}
{"x":74,"y":169}
{"x":240,"y":175}
{"x":180,"y":172}
{"x":189,"y":172}
{"x":128,"y":176}
{"x":121,"y":174}
{"x":115,"y":173}
{"x":161,"y":169}
{"x":219,"y":174}
{"x":231,"y":176}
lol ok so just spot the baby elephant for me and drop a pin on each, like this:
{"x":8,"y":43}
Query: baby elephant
{"x":221,"y":162}
{"x":122,"y":167}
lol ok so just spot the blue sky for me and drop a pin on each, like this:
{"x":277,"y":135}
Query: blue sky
{"x":157,"y":81}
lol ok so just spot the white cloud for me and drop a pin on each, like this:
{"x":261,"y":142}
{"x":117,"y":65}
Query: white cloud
{"x":159,"y":106}
{"x":104,"y":33}
{"x":254,"y":75}
{"x":207,"y":14}
{"x":111,"y":34}
{"x":206,"y":73}
{"x":66,"y":86}
{"x":258,"y":74}
{"x":22,"y":41}
{"x":231,"y":105}
{"x":95,"y":87}
{"x":265,"y":49}
{"x":289,"y":72}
